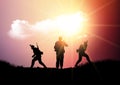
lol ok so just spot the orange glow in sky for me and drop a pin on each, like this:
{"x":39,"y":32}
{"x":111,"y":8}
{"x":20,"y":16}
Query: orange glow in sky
{"x":25,"y":22}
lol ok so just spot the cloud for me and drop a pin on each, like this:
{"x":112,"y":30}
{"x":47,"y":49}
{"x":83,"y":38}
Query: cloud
{"x":21,"y":29}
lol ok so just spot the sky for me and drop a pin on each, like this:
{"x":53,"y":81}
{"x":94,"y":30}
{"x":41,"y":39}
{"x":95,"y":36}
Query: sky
{"x":24,"y":22}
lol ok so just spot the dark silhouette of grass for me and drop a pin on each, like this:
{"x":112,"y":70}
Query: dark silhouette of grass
{"x":103,"y":71}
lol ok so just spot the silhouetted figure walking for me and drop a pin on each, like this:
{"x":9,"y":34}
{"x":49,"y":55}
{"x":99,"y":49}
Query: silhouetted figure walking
{"x":59,"y":48}
{"x":36,"y":56}
{"x":82,"y":53}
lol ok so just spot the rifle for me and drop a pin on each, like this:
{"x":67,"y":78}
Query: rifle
{"x":37,"y":45}
{"x":38,"y":48}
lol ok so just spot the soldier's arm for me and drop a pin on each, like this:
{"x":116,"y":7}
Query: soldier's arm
{"x":33,"y":55}
{"x":41,"y":52}
{"x":65,"y":44}
{"x":55,"y":46}
{"x":77,"y":50}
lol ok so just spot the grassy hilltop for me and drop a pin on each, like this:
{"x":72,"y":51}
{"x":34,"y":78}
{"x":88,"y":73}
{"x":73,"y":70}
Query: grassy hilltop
{"x":104,"y":71}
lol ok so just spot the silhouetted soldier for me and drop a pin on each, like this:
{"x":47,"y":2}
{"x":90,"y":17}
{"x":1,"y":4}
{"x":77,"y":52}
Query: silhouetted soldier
{"x":36,"y":56}
{"x":82,"y":53}
{"x":59,"y":48}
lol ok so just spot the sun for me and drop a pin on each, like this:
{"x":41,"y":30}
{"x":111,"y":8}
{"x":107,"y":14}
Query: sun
{"x":71,"y":24}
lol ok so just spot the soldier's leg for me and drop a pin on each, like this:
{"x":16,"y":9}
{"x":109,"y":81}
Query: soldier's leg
{"x":33,"y":62}
{"x":87,"y":57}
{"x":40,"y":62}
{"x":57,"y":61}
{"x":78,"y":61}
{"x":61,"y":60}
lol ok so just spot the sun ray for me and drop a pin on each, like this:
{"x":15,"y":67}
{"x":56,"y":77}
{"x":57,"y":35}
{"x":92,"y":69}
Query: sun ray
{"x":105,"y":40}
{"x":101,"y":38}
{"x":103,"y":25}
{"x":100,"y":8}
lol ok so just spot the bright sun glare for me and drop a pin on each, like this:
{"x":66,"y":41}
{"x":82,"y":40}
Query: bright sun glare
{"x":72,"y":24}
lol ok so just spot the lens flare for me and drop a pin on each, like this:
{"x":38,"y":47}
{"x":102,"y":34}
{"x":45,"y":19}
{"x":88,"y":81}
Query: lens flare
{"x":70,"y":25}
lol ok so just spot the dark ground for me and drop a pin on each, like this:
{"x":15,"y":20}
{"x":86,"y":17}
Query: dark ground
{"x":99,"y":72}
